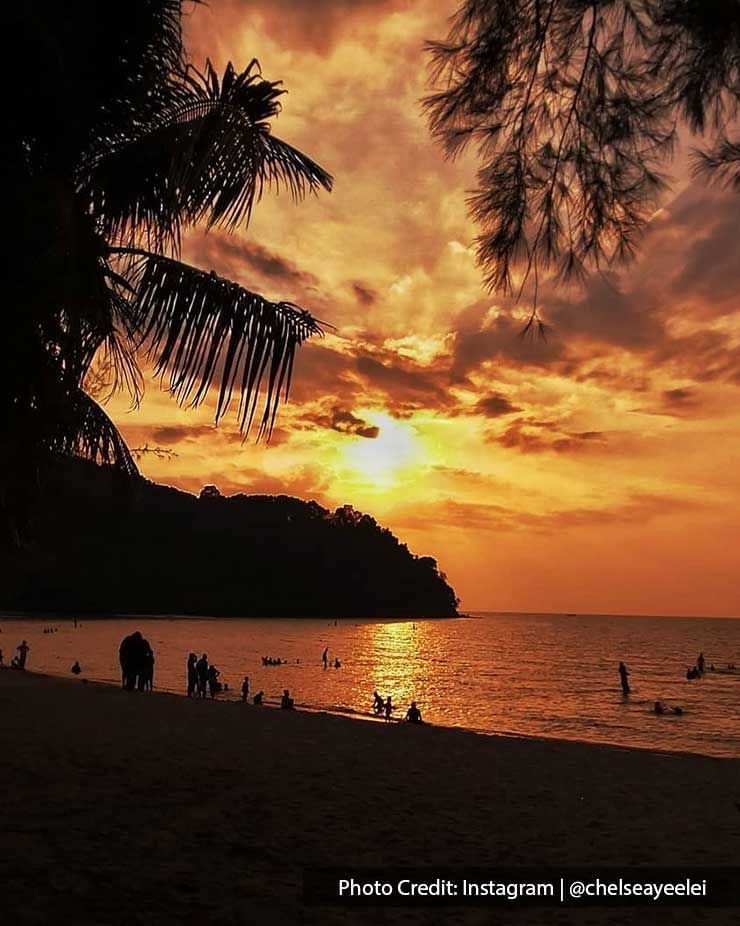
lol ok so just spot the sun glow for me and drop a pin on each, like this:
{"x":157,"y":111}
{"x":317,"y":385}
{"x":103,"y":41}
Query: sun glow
{"x":382,"y":459}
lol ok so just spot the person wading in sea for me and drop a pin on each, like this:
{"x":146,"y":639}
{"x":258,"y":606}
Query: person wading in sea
{"x":623,"y":675}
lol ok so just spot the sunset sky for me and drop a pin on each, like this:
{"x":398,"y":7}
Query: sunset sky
{"x":595,"y":471}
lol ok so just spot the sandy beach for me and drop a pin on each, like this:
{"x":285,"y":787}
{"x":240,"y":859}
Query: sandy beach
{"x":121,"y":807}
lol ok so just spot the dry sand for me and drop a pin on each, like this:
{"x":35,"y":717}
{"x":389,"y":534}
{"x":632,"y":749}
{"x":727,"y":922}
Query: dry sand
{"x":132,"y":808}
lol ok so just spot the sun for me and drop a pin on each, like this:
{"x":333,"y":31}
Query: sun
{"x":381,"y":460}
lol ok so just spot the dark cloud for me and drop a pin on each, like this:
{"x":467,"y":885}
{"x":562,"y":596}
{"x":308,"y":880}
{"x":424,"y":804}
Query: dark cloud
{"x":478,"y":340}
{"x":709,"y":269}
{"x":177,"y":433}
{"x":320,"y":371}
{"x":342,"y":420}
{"x":531,"y":436}
{"x":679,"y":396}
{"x":403,"y":381}
{"x":495,"y":405}
{"x":703,"y":356}
{"x":366,"y":296}
{"x":450,"y":513}
{"x":681,"y":402}
{"x":240,"y":260}
{"x":607,"y":312}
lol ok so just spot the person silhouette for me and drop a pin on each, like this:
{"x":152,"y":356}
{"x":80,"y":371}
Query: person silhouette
{"x":286,"y":702}
{"x":75,"y":670}
{"x":623,"y":675}
{"x":337,"y":664}
{"x":213,"y":684}
{"x":413,"y":714}
{"x":132,"y":655}
{"x":258,"y":698}
{"x":192,"y":674}
{"x":700,"y":662}
{"x":201,"y":668}
{"x":146,"y":679}
{"x":22,"y":655}
{"x":245,"y":688}
{"x":1,"y":657}
{"x":378,"y":703}
{"x":388,"y":709}
{"x":325,"y":656}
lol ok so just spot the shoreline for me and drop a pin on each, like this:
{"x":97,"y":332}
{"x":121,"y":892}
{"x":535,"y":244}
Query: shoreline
{"x":120,"y":616}
{"x":163,"y":810}
{"x":353,"y":716}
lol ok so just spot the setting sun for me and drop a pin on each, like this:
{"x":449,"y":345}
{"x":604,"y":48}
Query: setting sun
{"x":381,"y":459}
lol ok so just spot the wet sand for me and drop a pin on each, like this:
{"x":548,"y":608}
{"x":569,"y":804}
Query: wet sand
{"x":132,"y":808}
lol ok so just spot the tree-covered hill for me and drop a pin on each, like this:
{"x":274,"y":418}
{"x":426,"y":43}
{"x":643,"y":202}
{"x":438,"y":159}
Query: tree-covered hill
{"x":105,"y":543}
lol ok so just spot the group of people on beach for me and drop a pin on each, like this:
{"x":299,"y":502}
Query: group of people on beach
{"x":385,"y":708}
{"x":137,"y":663}
{"x":203,"y":677}
{"x":327,"y":662}
{"x":19,"y":661}
{"x":258,"y":698}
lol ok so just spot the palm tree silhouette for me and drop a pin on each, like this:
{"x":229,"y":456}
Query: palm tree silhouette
{"x":114,"y":145}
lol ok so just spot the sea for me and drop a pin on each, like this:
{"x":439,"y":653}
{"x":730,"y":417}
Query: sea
{"x":541,"y":675}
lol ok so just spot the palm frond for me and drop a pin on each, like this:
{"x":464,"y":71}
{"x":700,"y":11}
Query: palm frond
{"x":208,"y":155}
{"x":84,"y":430}
{"x":199,"y":328}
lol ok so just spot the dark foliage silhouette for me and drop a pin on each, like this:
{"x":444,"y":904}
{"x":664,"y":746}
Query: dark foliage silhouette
{"x":146,"y":548}
{"x":574,"y":107}
{"x":113,"y":145}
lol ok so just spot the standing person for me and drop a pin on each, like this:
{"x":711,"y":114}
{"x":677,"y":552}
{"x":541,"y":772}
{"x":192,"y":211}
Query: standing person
{"x":1,"y":657}
{"x":202,"y":671}
{"x":378,"y":703}
{"x":192,"y":672}
{"x":700,"y":662}
{"x":22,"y":655}
{"x":144,"y":665}
{"x":148,"y":668}
{"x":245,"y":688}
{"x":325,"y":656}
{"x":388,"y":709}
{"x":213,"y":684}
{"x":623,"y":675}
{"x":131,"y":657}
{"x":286,"y":702}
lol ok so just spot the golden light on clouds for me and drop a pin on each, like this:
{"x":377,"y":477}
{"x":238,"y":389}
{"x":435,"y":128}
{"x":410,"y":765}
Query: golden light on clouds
{"x":595,"y":470}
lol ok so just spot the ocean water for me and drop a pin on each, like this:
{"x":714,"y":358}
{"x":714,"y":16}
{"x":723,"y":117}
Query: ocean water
{"x":522,"y":674}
